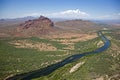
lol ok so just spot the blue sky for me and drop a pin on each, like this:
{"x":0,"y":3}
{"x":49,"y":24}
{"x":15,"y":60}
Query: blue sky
{"x":89,"y":9}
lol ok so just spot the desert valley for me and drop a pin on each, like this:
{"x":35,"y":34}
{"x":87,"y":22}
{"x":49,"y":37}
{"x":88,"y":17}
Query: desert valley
{"x":29,"y":46}
{"x":59,"y":39}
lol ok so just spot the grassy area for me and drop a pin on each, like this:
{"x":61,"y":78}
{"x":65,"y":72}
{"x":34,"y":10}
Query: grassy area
{"x":54,"y":43}
{"x":105,"y":65}
{"x":20,"y":60}
{"x":86,"y":46}
{"x":93,"y":67}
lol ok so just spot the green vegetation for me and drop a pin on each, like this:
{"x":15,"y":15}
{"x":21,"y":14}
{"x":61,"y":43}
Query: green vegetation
{"x":86,"y":46}
{"x":104,"y":65}
{"x":54,"y":43}
{"x":19,"y":60}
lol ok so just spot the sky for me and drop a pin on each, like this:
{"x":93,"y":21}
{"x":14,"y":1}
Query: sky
{"x":86,"y":9}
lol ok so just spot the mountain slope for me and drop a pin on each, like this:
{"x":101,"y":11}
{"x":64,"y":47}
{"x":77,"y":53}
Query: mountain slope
{"x":42,"y":25}
{"x":78,"y":25}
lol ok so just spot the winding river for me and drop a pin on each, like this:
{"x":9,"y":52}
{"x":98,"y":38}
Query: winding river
{"x":49,"y":69}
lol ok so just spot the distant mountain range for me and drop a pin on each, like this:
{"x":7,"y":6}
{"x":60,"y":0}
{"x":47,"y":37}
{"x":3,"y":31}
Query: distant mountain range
{"x":78,"y":25}
{"x":117,"y":21}
{"x":37,"y":26}
{"x":18,"y":19}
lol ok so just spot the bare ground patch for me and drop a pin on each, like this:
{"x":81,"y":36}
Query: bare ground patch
{"x":100,"y":44}
{"x":74,"y":68}
{"x":35,"y":45}
{"x":70,"y":38}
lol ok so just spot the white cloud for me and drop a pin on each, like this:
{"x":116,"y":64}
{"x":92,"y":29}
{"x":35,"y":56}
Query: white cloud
{"x":112,"y":16}
{"x":63,"y":14}
{"x":104,"y":16}
{"x":32,"y":14}
{"x":77,"y":11}
{"x":69,"y":14}
{"x":118,"y":14}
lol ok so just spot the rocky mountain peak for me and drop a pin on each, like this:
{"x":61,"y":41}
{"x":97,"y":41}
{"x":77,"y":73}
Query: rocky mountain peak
{"x":43,"y":18}
{"x":42,"y":25}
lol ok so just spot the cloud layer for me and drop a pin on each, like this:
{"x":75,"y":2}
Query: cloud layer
{"x":112,"y":16}
{"x":70,"y":14}
{"x":63,"y":14}
{"x":75,"y":14}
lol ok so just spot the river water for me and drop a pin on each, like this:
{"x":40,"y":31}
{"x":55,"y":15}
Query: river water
{"x":49,"y":69}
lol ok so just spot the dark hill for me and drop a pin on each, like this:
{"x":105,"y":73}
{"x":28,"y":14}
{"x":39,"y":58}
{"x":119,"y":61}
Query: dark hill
{"x":42,"y":25}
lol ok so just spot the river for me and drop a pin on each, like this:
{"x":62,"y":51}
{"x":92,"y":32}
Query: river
{"x":49,"y":69}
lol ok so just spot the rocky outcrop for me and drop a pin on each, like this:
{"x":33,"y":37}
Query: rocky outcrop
{"x":42,"y":25}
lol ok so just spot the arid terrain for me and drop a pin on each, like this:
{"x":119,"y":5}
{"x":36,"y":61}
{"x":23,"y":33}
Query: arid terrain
{"x":33,"y":44}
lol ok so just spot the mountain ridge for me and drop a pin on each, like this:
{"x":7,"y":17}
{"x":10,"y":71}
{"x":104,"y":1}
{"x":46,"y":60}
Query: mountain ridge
{"x":42,"y":25}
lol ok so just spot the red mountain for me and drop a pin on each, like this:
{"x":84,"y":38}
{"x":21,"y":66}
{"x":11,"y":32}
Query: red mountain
{"x":42,"y":25}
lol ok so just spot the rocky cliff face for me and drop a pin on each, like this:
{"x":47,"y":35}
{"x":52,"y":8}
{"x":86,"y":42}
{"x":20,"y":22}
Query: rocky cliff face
{"x":42,"y":25}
